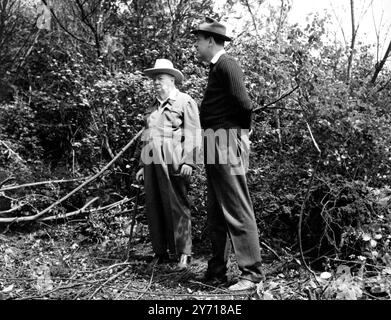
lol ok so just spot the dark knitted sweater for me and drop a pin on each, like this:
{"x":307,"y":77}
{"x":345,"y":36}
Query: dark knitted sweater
{"x":226,"y":103}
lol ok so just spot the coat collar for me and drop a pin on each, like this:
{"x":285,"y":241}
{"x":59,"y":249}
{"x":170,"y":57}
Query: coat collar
{"x":217,"y":56}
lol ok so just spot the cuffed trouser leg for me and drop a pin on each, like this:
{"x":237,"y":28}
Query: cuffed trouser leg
{"x":168,"y":210}
{"x":181,"y":218}
{"x":154,"y":210}
{"x":218,"y":233}
{"x":230,"y":209}
{"x":233,"y":197}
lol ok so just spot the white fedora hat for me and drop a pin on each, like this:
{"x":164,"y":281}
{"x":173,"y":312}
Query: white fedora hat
{"x":164,"y":66}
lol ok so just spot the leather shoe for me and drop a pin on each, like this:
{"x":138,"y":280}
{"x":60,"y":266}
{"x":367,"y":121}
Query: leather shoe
{"x":213,"y":279}
{"x":159,"y":259}
{"x":184,"y":262}
{"x":242,"y":285}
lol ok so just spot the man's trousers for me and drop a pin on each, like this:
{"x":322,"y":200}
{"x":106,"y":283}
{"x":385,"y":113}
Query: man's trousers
{"x":168,"y":210}
{"x":230,"y":211}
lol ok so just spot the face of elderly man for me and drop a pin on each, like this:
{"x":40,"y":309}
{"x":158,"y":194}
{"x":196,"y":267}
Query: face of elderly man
{"x":163,"y":83}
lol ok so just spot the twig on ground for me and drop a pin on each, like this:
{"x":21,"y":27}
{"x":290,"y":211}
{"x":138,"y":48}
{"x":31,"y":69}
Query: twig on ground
{"x":165,"y":294}
{"x":271,"y":250}
{"x":69,"y":286}
{"x":109,"y":206}
{"x":70,"y":214}
{"x":5,"y":181}
{"x":107,"y":281}
{"x":209,"y":286}
{"x":357,"y":262}
{"x":106,"y":268}
{"x":373,"y":297}
{"x":124,"y":289}
{"x":33,"y":184}
{"x":149,"y":284}
{"x":12,"y":209}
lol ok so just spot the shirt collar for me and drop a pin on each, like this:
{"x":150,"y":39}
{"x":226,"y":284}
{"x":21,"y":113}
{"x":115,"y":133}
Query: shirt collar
{"x":217,"y":56}
{"x":172,"y":96}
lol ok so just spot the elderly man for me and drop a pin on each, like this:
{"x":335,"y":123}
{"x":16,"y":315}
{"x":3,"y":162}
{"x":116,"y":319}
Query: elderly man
{"x":171,"y":141}
{"x":226,"y":116}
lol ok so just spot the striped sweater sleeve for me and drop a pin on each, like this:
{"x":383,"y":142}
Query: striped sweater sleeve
{"x":233,"y":77}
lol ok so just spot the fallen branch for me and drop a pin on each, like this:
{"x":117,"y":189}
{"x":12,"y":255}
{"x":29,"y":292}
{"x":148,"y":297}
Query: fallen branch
{"x":106,"y":268}
{"x":109,"y":206}
{"x":39,"y":214}
{"x":11,"y":151}
{"x":70,"y":214}
{"x":5,"y":181}
{"x":11,"y":210}
{"x":7,"y":188}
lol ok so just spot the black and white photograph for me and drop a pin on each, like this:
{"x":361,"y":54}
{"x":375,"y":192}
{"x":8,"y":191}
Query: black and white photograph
{"x":199,"y":157}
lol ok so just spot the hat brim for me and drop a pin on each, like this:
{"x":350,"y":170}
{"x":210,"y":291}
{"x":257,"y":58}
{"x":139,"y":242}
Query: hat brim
{"x":173,"y":72}
{"x":218,"y":35}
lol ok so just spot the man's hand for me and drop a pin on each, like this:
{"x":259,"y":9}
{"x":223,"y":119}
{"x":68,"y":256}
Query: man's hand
{"x":140,"y":175}
{"x":186,"y":171}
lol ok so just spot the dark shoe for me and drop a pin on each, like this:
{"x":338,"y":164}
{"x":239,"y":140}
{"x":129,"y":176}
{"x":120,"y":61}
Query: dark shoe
{"x":184,"y":262}
{"x":159,"y":259}
{"x":243,"y":285}
{"x":213,"y":279}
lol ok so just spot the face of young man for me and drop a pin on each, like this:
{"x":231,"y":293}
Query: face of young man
{"x":203,"y":46}
{"x":163,"y":83}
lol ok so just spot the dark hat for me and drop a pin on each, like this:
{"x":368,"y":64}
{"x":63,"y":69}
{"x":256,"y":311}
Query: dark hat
{"x":213,"y":27}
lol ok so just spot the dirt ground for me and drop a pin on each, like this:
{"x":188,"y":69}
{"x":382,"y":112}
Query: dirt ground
{"x":51,"y":262}
{"x":56,"y":262}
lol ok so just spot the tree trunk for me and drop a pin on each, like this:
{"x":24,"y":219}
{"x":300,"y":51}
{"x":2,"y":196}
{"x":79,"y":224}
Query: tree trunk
{"x":352,"y":43}
{"x":379,"y":66}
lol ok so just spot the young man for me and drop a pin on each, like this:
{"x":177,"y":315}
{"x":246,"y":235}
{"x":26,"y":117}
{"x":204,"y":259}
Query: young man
{"x":168,"y":159}
{"x":225,"y":115}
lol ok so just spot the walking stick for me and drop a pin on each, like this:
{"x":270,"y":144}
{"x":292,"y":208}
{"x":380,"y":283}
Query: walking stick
{"x":135,"y":209}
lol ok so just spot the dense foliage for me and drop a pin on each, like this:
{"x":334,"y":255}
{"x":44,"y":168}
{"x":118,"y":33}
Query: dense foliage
{"x":74,"y":95}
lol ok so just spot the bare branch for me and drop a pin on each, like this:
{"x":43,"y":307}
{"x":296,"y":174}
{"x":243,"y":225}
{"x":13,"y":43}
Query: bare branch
{"x":71,"y":214}
{"x":339,"y":23}
{"x":278,"y":99}
{"x":38,"y":215}
{"x":11,"y":152}
{"x":253,"y":16}
{"x":37,"y":184}
{"x":352,"y":42}
{"x":379,"y":66}
{"x":63,"y":28}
